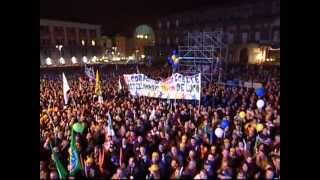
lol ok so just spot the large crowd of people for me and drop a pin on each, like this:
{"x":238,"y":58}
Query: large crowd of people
{"x":177,"y":141}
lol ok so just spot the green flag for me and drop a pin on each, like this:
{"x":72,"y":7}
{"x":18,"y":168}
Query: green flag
{"x":61,"y":170}
{"x":75,"y":162}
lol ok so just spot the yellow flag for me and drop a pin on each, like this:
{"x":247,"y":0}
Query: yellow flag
{"x":98,"y":90}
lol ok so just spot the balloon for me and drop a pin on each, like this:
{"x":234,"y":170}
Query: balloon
{"x":78,"y":127}
{"x":218,"y":132}
{"x":259,"y":127}
{"x":242,"y":114}
{"x":224,"y":124}
{"x":260,"y":103}
{"x":260,"y":92}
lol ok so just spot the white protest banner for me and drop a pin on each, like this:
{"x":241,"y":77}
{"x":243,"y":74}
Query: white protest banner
{"x":252,"y":85}
{"x":176,"y":86}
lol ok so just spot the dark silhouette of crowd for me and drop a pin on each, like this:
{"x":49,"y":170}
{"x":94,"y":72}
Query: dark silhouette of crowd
{"x":161,"y":138}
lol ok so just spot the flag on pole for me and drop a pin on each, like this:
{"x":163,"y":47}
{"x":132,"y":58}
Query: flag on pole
{"x":65,"y":88}
{"x":75,"y":162}
{"x":98,"y":90}
{"x":121,"y":157}
{"x":61,"y":170}
{"x":153,"y":114}
{"x":110,"y":127}
{"x":120,"y":86}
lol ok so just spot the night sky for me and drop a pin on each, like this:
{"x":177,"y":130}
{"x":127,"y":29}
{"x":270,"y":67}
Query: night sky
{"x":118,"y":16}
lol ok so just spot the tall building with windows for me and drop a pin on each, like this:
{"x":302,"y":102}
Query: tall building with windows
{"x":76,"y":39}
{"x":245,"y":25}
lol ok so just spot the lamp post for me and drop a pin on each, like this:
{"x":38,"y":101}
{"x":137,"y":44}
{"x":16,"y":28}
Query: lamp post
{"x":59,"y":47}
{"x":83,"y":44}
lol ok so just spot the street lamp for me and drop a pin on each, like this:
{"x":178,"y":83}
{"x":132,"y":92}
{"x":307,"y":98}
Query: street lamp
{"x":59,"y":47}
{"x":62,"y":61}
{"x":84,"y":59}
{"x":74,"y":60}
{"x":48,"y":61}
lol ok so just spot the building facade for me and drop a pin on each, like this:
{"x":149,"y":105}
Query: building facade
{"x":77,"y":39}
{"x":246,"y":25}
{"x":121,"y":44}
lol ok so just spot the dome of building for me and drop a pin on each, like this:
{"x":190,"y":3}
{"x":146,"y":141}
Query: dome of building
{"x":143,"y":31}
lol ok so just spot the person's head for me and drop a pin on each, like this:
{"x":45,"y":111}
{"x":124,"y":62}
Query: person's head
{"x":155,"y":157}
{"x":265,"y":131}
{"x":213,"y":149}
{"x":182,"y":147}
{"x":89,"y":136}
{"x":244,"y":167}
{"x":140,"y":139}
{"x":184,"y":139}
{"x":42,"y":165}
{"x":276,"y":162}
{"x":193,"y":141}
{"x":232,"y":151}
{"x":174,"y":164}
{"x":225,"y":153}
{"x":240,"y":175}
{"x":142,"y":150}
{"x":192,"y":165}
{"x":249,"y":159}
{"x":240,"y":145}
{"x":131,"y":162}
{"x":210,"y":157}
{"x":226,"y":143}
{"x":224,"y":165}
{"x":269,"y":174}
{"x":161,"y":148}
{"x":43,"y":175}
{"x":54,"y":175}
{"x":277,"y":138}
{"x":119,"y":172}
{"x":174,"y":150}
{"x":154,"y":169}
{"x":192,"y":154}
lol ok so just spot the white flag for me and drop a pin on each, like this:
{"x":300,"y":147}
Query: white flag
{"x":65,"y":88}
{"x":153,"y":114}
{"x":120,"y":86}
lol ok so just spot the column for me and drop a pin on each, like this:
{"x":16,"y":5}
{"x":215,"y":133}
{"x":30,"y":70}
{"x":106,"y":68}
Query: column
{"x":78,"y":41}
{"x":52,"y":40}
{"x":65,"y":36}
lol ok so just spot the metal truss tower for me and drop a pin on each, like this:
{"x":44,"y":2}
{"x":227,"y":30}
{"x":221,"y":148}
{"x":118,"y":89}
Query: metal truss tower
{"x":203,"y":53}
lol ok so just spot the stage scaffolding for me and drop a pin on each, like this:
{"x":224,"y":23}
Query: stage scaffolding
{"x":203,"y":53}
